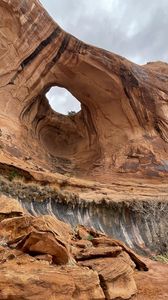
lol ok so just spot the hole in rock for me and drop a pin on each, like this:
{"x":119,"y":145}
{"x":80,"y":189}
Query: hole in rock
{"x":62,"y":101}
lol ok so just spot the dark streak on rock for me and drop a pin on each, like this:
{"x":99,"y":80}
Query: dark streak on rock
{"x":128,"y":77}
{"x":42,"y":45}
{"x":129,"y":82}
{"x":63,"y":47}
{"x":31,"y":57}
{"x":133,"y":105}
{"x":61,"y":50}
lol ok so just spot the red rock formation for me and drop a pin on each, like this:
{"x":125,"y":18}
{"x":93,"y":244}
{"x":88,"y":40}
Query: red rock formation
{"x":121,"y":128}
{"x":122,"y":125}
{"x":33,"y":248}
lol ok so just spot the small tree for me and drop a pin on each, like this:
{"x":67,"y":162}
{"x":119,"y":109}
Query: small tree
{"x":71,"y":113}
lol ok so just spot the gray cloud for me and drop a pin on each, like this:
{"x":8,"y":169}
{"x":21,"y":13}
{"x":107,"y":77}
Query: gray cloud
{"x":136,"y":30}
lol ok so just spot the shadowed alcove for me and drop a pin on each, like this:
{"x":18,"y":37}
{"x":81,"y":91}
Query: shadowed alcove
{"x":63,"y":126}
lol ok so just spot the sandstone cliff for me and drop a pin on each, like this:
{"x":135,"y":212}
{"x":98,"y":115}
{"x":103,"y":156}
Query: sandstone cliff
{"x":104,"y":167}
{"x":122,"y":125}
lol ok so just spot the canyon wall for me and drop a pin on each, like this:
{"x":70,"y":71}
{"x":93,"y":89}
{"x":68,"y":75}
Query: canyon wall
{"x":122,"y":125}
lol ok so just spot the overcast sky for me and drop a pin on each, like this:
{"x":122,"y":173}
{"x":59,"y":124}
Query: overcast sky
{"x":137,"y":30}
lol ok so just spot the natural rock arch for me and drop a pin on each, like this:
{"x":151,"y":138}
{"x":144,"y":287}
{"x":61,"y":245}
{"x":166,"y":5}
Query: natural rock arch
{"x":122,"y":126}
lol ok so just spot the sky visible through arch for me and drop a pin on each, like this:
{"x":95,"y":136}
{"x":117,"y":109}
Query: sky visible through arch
{"x":137,"y":30}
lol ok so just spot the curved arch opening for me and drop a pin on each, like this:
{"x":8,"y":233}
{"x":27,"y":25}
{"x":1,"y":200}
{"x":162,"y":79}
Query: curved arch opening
{"x":62,"y":101}
{"x":63,"y":128}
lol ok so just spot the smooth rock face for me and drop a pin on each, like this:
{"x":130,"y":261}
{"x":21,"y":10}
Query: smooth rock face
{"x":122,"y":125}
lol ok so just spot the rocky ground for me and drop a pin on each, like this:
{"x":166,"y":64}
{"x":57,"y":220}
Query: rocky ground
{"x":41,"y":256}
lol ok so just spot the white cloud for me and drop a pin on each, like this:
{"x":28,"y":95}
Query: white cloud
{"x":62,"y":101}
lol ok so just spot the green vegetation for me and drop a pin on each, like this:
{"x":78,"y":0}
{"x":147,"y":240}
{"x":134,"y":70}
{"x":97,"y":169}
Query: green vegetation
{"x":163,"y":258}
{"x":12,"y":175}
{"x":90,"y":237}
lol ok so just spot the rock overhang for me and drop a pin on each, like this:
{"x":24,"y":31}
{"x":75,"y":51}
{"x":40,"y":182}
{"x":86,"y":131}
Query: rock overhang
{"x":122,"y":123}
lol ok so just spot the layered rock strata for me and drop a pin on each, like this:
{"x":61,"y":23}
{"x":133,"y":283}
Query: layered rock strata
{"x":122,"y":125}
{"x":119,"y":136}
{"x":42,"y":257}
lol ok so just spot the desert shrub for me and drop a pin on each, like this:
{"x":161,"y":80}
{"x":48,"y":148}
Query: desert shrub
{"x":12,"y":175}
{"x":90,"y":237}
{"x":71,"y":113}
{"x":161,"y":258}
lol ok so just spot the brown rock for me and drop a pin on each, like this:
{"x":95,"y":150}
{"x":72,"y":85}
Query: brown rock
{"x":36,"y":236}
{"x":40,"y":281}
{"x":46,"y":257}
{"x":9,"y":254}
{"x":28,"y":239}
{"x":9,"y":208}
{"x":16,"y":228}
{"x":115,"y":265}
{"x":90,"y":253}
{"x":39,"y":243}
{"x":115,"y":275}
{"x":83,"y":233}
{"x":106,"y":242}
{"x":82,"y":244}
{"x":121,"y":128}
{"x":123,"y":105}
{"x":152,"y":286}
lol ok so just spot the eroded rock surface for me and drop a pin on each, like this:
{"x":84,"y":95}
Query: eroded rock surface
{"x":122,"y":125}
{"x":93,"y":266}
{"x":118,"y":137}
{"x":9,"y":208}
